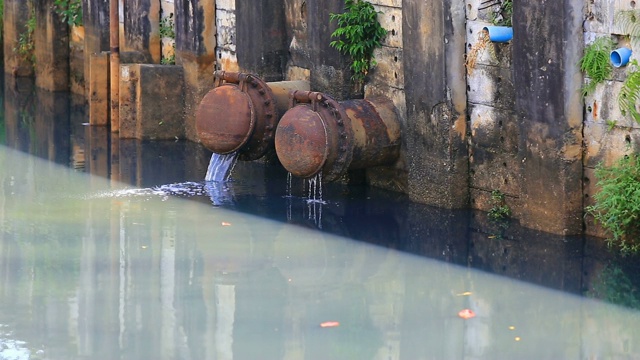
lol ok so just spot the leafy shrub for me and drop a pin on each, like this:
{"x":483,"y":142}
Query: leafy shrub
{"x":595,"y":63}
{"x":359,"y":33}
{"x":69,"y":10}
{"x":617,"y":204}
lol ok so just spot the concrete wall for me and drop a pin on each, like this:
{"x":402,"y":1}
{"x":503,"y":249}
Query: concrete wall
{"x":16,"y":13}
{"x":195,"y":51}
{"x":608,"y":135}
{"x":51,"y":48}
{"x":515,"y":122}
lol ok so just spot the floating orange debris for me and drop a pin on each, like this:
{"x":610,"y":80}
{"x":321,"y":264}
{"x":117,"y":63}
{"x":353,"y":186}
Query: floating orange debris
{"x":329,"y":324}
{"x":226,"y":224}
{"x":466,"y":313}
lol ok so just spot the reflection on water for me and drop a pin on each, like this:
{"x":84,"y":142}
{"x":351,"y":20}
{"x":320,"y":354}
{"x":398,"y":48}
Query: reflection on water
{"x":128,"y":254}
{"x":150,"y":277}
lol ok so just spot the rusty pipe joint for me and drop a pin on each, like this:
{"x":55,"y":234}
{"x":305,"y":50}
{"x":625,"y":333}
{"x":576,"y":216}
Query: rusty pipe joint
{"x":318,"y":134}
{"x":241,"y":113}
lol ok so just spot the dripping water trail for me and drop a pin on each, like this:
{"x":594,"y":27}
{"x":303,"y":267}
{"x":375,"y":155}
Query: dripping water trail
{"x":314,"y":200}
{"x":221,"y":166}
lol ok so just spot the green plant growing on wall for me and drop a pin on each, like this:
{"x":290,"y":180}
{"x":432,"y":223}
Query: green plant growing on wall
{"x":628,"y":21}
{"x":358,"y":34}
{"x":26,"y":42}
{"x":502,"y":15}
{"x":69,"y":10}
{"x":617,"y":204}
{"x":167,"y":31}
{"x":167,"y":27}
{"x":499,"y":209}
{"x":595,"y":63}
{"x":629,"y":95}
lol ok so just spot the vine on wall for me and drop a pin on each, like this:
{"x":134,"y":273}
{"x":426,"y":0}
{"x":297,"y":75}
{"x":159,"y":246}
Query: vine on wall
{"x":358,"y":34}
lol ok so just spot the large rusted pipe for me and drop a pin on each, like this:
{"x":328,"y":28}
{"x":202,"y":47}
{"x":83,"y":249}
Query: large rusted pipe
{"x":241,"y":113}
{"x":318,"y":134}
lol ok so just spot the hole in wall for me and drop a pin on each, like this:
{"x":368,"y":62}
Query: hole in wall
{"x":586,"y":180}
{"x":393,"y":18}
{"x":633,"y":4}
{"x":586,"y":196}
{"x":219,"y":56}
{"x":504,"y":164}
{"x":469,"y":7}
{"x":470,"y":31}
{"x":393,"y":32}
{"x":395,"y":58}
{"x":506,"y":181}
{"x":589,"y":109}
{"x":500,"y":123}
{"x":501,"y":138}
{"x":469,"y":46}
{"x":473,"y":200}
{"x":395,"y":75}
{"x":627,"y":139}
{"x":468,"y":88}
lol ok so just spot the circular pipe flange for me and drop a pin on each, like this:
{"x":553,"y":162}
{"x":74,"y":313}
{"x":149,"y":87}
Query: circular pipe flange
{"x":302,"y":134}
{"x":315,"y":136}
{"x":225,"y":119}
{"x":239,"y":114}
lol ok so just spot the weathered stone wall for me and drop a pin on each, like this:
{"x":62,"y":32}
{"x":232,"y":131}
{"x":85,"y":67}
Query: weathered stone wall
{"x":195,"y":51}
{"x":95,"y":17}
{"x":141,"y":29}
{"x":608,"y":134}
{"x":261,"y":38}
{"x":493,"y":154}
{"x":51,"y":38}
{"x":16,"y":13}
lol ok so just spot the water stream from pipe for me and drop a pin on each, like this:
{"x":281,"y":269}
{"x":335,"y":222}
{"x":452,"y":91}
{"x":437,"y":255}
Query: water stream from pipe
{"x":221,"y":166}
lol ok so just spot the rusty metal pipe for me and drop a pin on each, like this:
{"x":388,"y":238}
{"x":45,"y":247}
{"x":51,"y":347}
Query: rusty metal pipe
{"x":318,"y":134}
{"x":241,"y":113}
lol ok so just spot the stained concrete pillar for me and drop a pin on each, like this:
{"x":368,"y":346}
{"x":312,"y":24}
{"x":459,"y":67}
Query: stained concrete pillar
{"x":52,"y":48}
{"x":16,"y":14}
{"x":330,"y":71}
{"x":547,"y":46}
{"x":195,"y":51}
{"x":435,"y":89}
{"x":151,"y":102}
{"x":95,"y":17}
{"x":142,"y":29}
{"x":261,"y":39}
{"x":98,"y":85}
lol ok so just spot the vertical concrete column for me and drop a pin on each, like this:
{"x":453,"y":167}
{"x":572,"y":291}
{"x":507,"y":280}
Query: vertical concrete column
{"x":435,"y":89}
{"x":52,"y":48}
{"x":195,"y":50}
{"x":16,"y":13}
{"x":142,"y":29}
{"x":547,"y":46}
{"x":329,"y":69}
{"x":99,"y":89}
{"x":95,"y":16}
{"x":261,"y":38}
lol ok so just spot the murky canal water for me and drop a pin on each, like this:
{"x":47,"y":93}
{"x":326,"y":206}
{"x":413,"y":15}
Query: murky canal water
{"x":119,"y":250}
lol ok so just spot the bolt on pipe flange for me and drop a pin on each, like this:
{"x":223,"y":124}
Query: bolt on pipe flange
{"x":239,"y":114}
{"x":318,"y":134}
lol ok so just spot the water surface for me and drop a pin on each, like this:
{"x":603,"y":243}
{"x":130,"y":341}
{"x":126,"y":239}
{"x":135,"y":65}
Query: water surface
{"x":116,"y":249}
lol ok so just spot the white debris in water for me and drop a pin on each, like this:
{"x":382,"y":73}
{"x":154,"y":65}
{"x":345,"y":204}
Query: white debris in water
{"x":13,"y":349}
{"x":185,"y":189}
